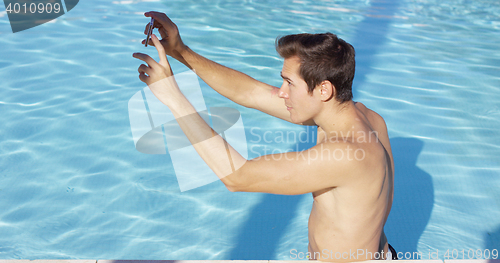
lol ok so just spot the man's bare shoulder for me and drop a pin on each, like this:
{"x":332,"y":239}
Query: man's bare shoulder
{"x":373,"y":117}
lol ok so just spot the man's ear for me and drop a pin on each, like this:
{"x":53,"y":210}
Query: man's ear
{"x":327,"y":90}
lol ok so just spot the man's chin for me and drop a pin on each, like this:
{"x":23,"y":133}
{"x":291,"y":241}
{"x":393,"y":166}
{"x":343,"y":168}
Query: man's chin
{"x":295,"y":120}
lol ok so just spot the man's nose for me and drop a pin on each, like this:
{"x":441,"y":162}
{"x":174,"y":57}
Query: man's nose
{"x":283,"y":92}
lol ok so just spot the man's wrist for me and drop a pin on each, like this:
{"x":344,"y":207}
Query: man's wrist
{"x":180,"y":53}
{"x":166,"y":90}
{"x":182,"y":49}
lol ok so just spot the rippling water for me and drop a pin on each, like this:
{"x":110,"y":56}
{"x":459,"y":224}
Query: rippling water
{"x":73,"y":186}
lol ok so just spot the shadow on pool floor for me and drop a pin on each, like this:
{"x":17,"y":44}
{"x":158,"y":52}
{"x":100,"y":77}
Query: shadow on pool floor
{"x":413,"y":196}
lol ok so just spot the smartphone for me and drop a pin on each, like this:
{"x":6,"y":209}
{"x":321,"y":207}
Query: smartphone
{"x":150,"y":30}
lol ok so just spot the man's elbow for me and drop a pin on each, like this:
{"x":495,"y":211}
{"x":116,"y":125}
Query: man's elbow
{"x":232,"y":188}
{"x":233,"y":182}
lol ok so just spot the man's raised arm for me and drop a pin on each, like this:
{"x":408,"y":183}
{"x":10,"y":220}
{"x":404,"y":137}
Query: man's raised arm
{"x":232,"y":84}
{"x":290,"y":173}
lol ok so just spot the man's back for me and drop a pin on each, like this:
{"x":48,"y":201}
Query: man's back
{"x":346,"y":222}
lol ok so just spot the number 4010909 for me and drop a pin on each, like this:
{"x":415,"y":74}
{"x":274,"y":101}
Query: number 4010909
{"x":471,"y":254}
{"x":33,"y":8}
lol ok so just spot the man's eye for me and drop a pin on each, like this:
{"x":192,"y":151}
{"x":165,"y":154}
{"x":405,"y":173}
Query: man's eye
{"x":289,"y":83}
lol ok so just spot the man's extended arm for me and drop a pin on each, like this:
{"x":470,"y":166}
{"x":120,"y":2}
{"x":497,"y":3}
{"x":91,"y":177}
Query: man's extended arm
{"x":288,"y":173}
{"x":235,"y":85}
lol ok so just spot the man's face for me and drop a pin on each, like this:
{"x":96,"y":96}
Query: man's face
{"x":301,"y":104}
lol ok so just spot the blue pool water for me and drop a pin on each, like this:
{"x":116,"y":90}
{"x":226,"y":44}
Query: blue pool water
{"x":72,"y":185}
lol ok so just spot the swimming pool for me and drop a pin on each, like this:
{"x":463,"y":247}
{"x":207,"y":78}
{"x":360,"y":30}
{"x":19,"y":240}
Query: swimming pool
{"x":72,"y":185}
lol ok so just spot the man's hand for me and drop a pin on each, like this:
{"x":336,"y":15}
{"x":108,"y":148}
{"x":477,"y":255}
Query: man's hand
{"x":171,"y":39}
{"x":158,"y":76}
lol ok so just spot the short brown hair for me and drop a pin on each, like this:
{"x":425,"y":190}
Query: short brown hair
{"x":322,"y":57}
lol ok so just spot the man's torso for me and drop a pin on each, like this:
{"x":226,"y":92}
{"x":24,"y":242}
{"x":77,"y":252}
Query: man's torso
{"x":350,"y":218}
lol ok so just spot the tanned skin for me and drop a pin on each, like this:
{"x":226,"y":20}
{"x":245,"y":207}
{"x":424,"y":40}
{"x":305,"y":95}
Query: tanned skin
{"x":351,"y":175}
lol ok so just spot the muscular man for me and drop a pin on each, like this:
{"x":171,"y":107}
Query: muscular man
{"x":350,"y":170}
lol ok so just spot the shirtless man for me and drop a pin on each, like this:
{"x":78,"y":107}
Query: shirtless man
{"x":350,"y":170}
